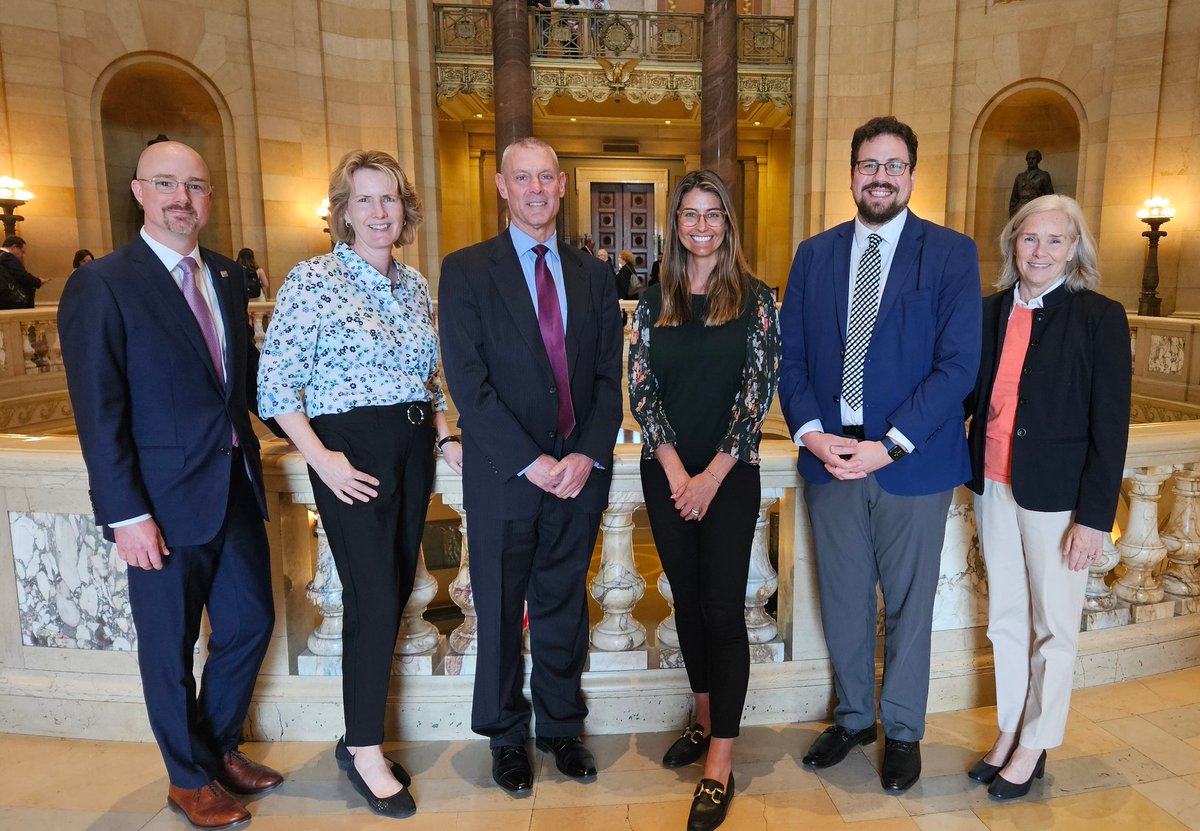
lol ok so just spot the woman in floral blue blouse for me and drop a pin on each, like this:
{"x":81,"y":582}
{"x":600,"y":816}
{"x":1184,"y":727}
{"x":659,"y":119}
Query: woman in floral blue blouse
{"x":349,"y":371}
{"x":703,"y":364}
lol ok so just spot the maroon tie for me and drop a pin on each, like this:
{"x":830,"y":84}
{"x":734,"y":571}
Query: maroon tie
{"x":551,"y":324}
{"x":208,"y":327}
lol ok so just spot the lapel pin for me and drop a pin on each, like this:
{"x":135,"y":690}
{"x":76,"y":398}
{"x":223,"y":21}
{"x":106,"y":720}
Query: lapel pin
{"x":225,"y":274}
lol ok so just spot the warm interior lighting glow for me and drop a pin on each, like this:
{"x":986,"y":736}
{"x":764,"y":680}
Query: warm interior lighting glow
{"x":1156,"y":207}
{"x":323,"y":211}
{"x":11,"y":188}
{"x":668,"y":121}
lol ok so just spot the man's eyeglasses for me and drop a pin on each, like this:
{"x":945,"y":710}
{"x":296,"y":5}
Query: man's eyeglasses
{"x":713,"y":218}
{"x":869,"y":167}
{"x":164,"y":185}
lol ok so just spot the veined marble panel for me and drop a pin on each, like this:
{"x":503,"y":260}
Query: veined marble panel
{"x":72,"y":589}
{"x":961,"y":600}
{"x":1166,"y":354}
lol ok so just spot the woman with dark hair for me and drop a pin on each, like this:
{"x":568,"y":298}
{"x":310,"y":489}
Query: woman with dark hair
{"x":703,"y":364}
{"x":349,"y":370}
{"x":82,"y":257}
{"x":1049,"y":427}
{"x":248,"y":261}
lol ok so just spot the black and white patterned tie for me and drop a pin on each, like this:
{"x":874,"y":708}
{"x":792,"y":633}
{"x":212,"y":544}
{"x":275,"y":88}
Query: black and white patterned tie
{"x":864,"y":309}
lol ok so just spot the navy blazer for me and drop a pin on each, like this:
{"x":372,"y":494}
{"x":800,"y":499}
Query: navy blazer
{"x":153,"y":417}
{"x":921,"y":363}
{"x":1072,"y":424}
{"x":500,"y":378}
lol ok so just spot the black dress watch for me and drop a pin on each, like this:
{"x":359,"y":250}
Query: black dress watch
{"x":894,"y":450}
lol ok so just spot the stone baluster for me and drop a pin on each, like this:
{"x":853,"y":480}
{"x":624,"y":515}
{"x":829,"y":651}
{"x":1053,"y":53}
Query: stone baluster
{"x":761,"y":583}
{"x":259,"y":320}
{"x":461,"y":661}
{"x":419,"y":645}
{"x":1100,"y":608}
{"x":325,"y":592}
{"x":1182,"y":538}
{"x":1142,"y":549}
{"x":666,"y":634}
{"x":618,"y":587}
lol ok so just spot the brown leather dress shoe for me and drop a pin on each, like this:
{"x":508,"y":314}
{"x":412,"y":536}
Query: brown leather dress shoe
{"x":241,"y":774}
{"x":208,"y":807}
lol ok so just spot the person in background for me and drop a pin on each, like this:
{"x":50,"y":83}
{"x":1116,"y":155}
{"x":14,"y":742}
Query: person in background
{"x":82,"y":257}
{"x":1049,"y":426}
{"x":349,"y":371}
{"x":254,"y":274}
{"x":655,"y":270}
{"x":628,"y":285}
{"x":17,"y":285}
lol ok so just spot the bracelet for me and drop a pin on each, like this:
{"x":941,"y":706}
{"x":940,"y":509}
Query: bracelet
{"x":442,"y":442}
{"x":713,"y":475}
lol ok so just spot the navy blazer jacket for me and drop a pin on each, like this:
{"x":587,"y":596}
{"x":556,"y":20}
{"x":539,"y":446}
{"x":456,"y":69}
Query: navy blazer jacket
{"x":152,"y":415}
{"x":1072,"y":425}
{"x":922,"y":361}
{"x":500,"y":378}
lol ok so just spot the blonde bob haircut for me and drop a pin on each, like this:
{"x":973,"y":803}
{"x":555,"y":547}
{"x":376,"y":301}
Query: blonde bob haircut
{"x":341,"y":185}
{"x":1082,"y":272}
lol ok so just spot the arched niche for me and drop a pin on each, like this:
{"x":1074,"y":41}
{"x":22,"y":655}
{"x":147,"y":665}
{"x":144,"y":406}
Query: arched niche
{"x":1033,"y":115}
{"x":141,"y":97}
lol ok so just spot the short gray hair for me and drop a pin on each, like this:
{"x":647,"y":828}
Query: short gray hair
{"x":1082,"y":271}
{"x":529,"y":143}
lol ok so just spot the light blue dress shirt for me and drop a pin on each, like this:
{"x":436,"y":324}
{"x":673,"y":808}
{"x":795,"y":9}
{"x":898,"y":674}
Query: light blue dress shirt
{"x":528,"y":257}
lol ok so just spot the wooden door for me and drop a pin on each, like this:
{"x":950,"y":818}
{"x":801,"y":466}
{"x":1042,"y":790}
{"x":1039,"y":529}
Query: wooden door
{"x":623,"y":218}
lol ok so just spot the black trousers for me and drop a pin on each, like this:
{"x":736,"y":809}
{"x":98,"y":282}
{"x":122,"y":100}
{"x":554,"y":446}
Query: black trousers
{"x":231,"y":577}
{"x":542,"y":560}
{"x":375,"y":545}
{"x":707,"y":562}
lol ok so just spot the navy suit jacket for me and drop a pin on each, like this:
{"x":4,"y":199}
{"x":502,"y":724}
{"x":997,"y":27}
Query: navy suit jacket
{"x":153,"y":417}
{"x":500,"y":377}
{"x":921,"y":363}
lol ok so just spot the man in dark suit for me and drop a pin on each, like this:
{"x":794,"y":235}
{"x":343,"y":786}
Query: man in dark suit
{"x":881,"y":342}
{"x":17,"y":285}
{"x":531,"y":344}
{"x":161,"y":371}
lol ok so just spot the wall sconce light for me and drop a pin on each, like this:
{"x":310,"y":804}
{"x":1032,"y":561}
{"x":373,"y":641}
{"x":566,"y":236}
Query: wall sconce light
{"x":323,"y":213}
{"x":1156,"y":213}
{"x":12,"y":196}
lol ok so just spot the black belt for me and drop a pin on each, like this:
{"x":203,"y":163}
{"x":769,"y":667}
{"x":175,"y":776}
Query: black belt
{"x":854,"y":431}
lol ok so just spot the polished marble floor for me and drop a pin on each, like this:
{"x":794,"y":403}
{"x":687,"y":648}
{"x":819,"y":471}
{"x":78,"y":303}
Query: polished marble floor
{"x":1131,"y":761}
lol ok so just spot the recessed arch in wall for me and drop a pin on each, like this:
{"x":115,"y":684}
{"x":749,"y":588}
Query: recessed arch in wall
{"x":1034,"y":114}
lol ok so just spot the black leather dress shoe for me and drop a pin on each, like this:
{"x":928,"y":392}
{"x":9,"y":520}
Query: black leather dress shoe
{"x":1002,"y":789}
{"x":833,"y":745}
{"x":687,"y":748}
{"x":710,"y":804}
{"x":399,"y":805}
{"x":901,"y":765}
{"x":571,"y":757}
{"x":511,"y":770}
{"x":983,"y":772}
{"x":344,"y":760}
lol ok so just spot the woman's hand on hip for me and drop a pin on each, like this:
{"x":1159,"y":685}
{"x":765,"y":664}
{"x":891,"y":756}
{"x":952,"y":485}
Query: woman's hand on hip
{"x":452,"y":453}
{"x":346,"y":481}
{"x":1083,"y":547}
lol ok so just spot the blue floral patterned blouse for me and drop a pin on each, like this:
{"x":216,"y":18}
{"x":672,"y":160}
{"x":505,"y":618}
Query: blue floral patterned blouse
{"x":341,"y":337}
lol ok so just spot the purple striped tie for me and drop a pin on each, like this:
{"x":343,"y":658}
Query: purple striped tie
{"x":208,"y":328}
{"x":551,"y":324}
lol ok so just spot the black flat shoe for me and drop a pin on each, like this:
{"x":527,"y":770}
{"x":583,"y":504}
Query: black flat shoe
{"x":983,"y":773}
{"x":688,"y":748}
{"x":833,"y":745}
{"x":398,"y":806}
{"x":1002,"y":789}
{"x":570,"y":756}
{"x":511,"y":770}
{"x":710,"y":804}
{"x":344,"y":759}
{"x":901,"y":765}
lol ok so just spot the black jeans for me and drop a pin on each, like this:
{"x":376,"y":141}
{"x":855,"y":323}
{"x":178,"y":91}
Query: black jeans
{"x":375,"y":545}
{"x":707,"y":562}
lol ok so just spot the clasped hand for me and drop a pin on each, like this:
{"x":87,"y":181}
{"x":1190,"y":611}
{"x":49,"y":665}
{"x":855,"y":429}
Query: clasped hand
{"x":693,"y":494}
{"x":564,"y":477}
{"x":862,"y":457}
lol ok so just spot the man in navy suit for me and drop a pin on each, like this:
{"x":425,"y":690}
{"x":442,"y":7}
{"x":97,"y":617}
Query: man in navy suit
{"x":531,"y":344}
{"x":880,"y":325}
{"x":161,"y":368}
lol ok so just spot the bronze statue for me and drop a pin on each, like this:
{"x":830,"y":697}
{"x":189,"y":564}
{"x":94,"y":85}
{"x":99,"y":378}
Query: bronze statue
{"x":1029,"y":184}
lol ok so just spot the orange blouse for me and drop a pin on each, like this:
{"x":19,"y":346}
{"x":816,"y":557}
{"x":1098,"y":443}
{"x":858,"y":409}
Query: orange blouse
{"x":1002,"y":409}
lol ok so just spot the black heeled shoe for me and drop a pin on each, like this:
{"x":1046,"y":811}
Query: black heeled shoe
{"x":399,"y":805}
{"x":710,"y":804}
{"x":345,"y":759}
{"x":983,"y":773}
{"x":688,"y":748}
{"x":1002,"y":789}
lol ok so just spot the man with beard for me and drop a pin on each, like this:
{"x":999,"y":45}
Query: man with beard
{"x":880,"y":324}
{"x":161,"y":368}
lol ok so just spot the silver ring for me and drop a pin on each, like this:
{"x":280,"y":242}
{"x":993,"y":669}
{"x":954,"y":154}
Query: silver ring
{"x":695,"y":512}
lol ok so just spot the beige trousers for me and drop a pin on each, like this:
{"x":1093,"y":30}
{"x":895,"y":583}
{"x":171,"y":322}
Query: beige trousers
{"x":1034,"y":604}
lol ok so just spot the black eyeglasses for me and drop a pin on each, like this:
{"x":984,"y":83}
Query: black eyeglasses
{"x":869,"y":167}
{"x":162,"y":184}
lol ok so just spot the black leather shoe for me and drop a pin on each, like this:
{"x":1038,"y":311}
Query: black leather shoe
{"x":399,"y":805}
{"x":687,"y":748}
{"x":710,"y":804}
{"x":983,"y":772}
{"x":511,"y":770}
{"x":833,"y":745}
{"x":571,"y":757}
{"x":344,"y":760}
{"x":1002,"y":789}
{"x":901,"y":765}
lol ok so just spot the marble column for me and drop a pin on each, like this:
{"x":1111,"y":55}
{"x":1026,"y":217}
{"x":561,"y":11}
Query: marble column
{"x":718,"y":94}
{"x":618,"y":640}
{"x":463,"y":640}
{"x":419,"y":645}
{"x":761,"y":583}
{"x":1142,"y":549}
{"x":513,"y":83}
{"x":324,"y":653}
{"x":1182,"y":539}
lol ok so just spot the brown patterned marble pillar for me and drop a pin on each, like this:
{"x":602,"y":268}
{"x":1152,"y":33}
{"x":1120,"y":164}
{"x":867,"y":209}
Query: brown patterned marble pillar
{"x":718,"y":94}
{"x":512,"y":82}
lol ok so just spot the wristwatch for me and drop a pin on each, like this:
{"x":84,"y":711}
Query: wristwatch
{"x":894,"y":450}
